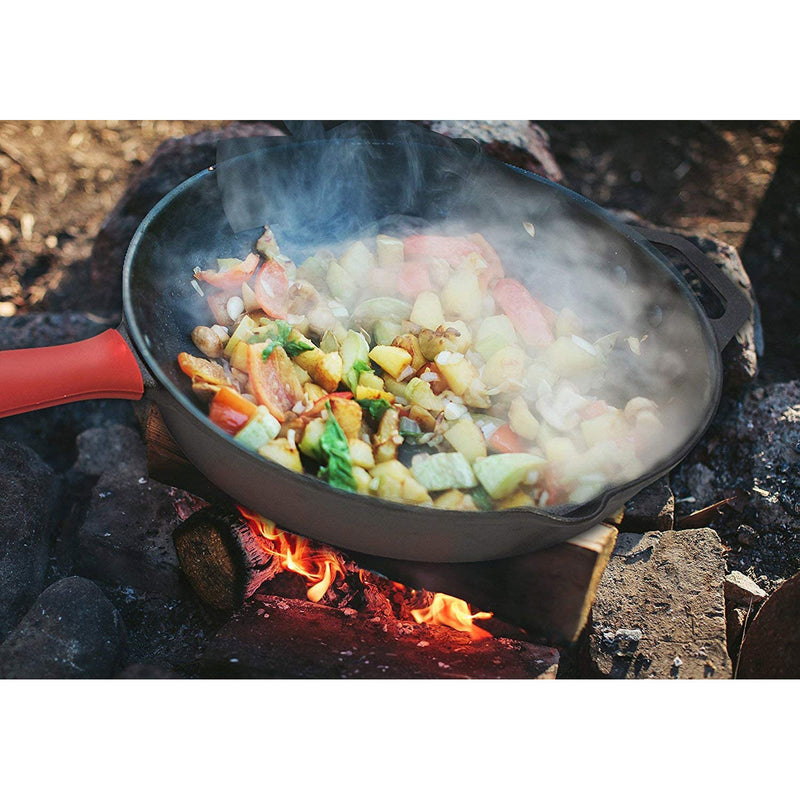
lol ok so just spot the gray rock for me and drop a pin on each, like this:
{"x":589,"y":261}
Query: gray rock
{"x":736,"y":621}
{"x":653,"y":509}
{"x":126,"y":537}
{"x":518,"y":142}
{"x":740,"y":357}
{"x":702,"y":484}
{"x":103,"y":449}
{"x":741,"y":590}
{"x":173,"y":162}
{"x":665,"y":588}
{"x":151,"y":672}
{"x":28,"y":496}
{"x":72,"y":631}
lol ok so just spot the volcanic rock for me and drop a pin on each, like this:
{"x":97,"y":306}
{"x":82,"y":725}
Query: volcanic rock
{"x":28,"y":496}
{"x":659,"y":610}
{"x":126,"y":537}
{"x":771,"y":645}
{"x":72,"y":631}
{"x":518,"y":142}
{"x":653,"y":509}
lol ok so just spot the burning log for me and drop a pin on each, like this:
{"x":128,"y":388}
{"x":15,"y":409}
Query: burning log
{"x":272,"y":637}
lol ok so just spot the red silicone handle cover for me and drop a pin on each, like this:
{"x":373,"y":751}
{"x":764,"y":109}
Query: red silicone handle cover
{"x":102,"y":366}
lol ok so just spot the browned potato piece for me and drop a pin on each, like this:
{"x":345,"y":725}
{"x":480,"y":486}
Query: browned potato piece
{"x":433,"y":342}
{"x":348,"y":415}
{"x":388,"y":437}
{"x":423,"y":418}
{"x":411,"y":345}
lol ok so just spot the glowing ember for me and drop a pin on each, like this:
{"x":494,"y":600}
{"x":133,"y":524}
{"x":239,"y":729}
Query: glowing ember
{"x":318,"y":565}
{"x":455,"y":613}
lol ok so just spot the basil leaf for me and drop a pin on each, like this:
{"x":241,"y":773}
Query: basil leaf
{"x":295,"y":348}
{"x":338,"y":469}
{"x":375,"y":407}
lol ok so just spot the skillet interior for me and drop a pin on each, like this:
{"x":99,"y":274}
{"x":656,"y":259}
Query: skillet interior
{"x":574,"y":240}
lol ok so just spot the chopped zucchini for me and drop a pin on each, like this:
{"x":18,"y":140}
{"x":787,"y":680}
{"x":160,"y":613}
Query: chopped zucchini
{"x":501,"y":474}
{"x":442,"y":471}
{"x":262,"y":428}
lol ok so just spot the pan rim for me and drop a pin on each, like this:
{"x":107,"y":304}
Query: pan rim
{"x":579,"y":517}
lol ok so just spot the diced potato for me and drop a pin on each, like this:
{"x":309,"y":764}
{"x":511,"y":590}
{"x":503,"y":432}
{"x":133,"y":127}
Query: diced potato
{"x":519,"y":499}
{"x":456,"y":370}
{"x":427,"y":311}
{"x":386,"y":331}
{"x":414,"y":492}
{"x":348,"y":414}
{"x":521,"y":420}
{"x":567,"y":323}
{"x":368,"y":393}
{"x":607,"y":427}
{"x":455,"y":500}
{"x":420,"y":393}
{"x":249,"y":299}
{"x":242,"y":333}
{"x":302,"y":375}
{"x":363,"y":480}
{"x":505,"y":366}
{"x":307,"y":359}
{"x":423,"y":418}
{"x":411,"y":344}
{"x":494,"y":334}
{"x":342,"y":284}
{"x":462,"y":297}
{"x":371,"y":381}
{"x":393,"y":360}
{"x":464,"y":340}
{"x":466,"y":437}
{"x":282,"y":452}
{"x":361,"y":453}
{"x":327,"y":371}
{"x":239,"y":356}
{"x":431,"y":343}
{"x":390,"y":252}
{"x":388,"y":438}
{"x":636,"y":405}
{"x":559,"y":448}
{"x":357,"y":261}
{"x":391,"y":469}
{"x":570,"y":355}
{"x":314,"y":392}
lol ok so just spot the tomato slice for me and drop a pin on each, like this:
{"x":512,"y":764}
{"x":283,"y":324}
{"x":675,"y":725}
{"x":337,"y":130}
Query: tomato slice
{"x":230,"y":410}
{"x":453,"y":249}
{"x":495,"y":270}
{"x":274,"y":381}
{"x":272,"y":289}
{"x":414,"y":278}
{"x":230,"y":278}
{"x":525,"y":313}
{"x":504,"y":440}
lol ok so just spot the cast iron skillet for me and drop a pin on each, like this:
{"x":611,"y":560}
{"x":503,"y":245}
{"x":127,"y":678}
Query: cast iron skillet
{"x":190,"y":227}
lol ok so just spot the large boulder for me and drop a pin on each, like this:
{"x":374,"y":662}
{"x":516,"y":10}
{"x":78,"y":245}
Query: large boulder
{"x":660,"y":609}
{"x":72,"y":631}
{"x":28,"y":496}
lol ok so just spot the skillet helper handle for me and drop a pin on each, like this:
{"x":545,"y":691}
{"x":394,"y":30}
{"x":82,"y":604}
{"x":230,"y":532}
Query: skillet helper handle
{"x":737,"y":306}
{"x":39,"y":377}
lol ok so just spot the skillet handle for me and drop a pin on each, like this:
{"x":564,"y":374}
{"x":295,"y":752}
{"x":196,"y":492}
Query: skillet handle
{"x":737,"y":306}
{"x":39,"y":377}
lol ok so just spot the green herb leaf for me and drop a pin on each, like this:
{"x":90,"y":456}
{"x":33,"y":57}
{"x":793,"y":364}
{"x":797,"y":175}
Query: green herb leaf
{"x":295,"y":348}
{"x":338,"y":468}
{"x":281,"y":337}
{"x":376,"y":407}
{"x":481,"y":498}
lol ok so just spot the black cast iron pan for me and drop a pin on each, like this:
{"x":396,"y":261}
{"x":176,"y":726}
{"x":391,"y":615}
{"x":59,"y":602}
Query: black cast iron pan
{"x":196,"y":223}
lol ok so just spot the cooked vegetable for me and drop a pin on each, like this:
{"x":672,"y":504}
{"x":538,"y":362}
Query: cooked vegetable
{"x":418,"y":372}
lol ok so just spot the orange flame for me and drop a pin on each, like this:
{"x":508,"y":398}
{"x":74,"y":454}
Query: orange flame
{"x":455,"y":613}
{"x":316,"y":564}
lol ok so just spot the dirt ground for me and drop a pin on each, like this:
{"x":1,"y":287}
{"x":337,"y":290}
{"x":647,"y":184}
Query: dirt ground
{"x":739,"y":181}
